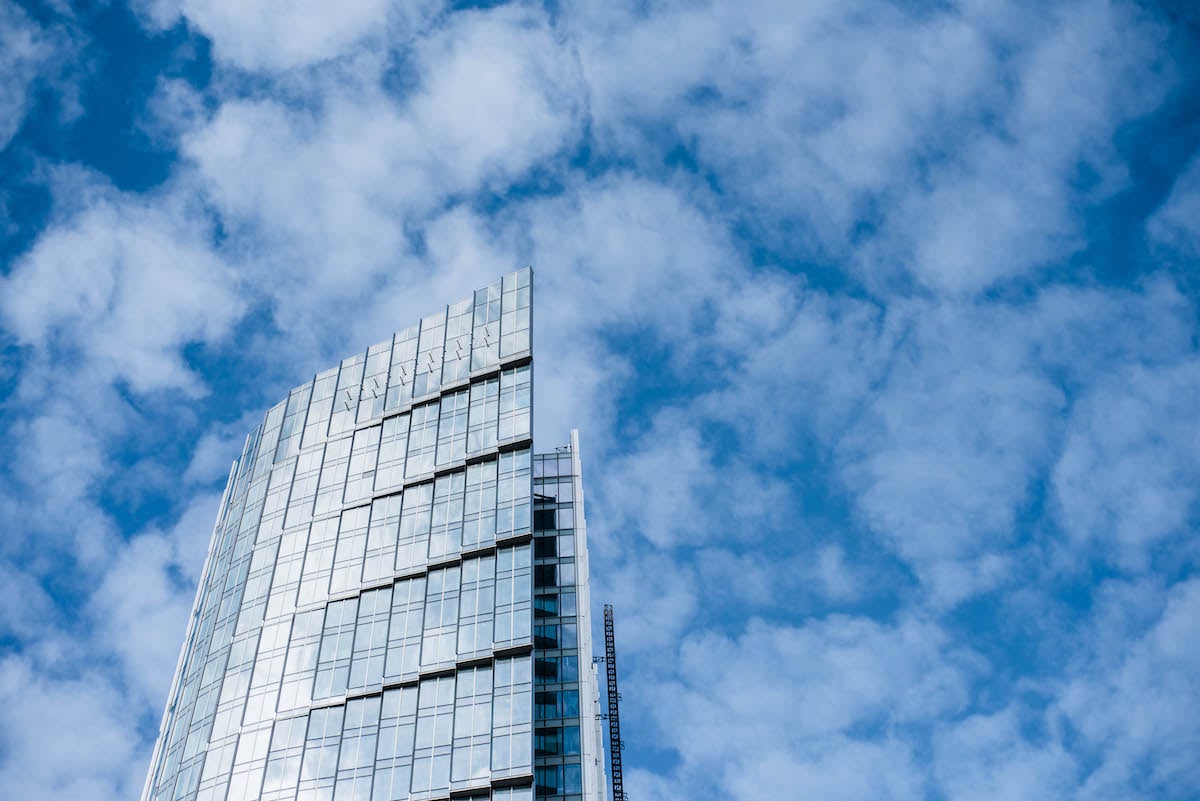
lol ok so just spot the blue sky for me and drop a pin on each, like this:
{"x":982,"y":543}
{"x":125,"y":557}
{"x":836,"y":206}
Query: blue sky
{"x":879,"y":322}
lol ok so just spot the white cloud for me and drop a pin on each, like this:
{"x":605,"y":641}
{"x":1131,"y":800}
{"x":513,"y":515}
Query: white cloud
{"x":940,"y":145}
{"x":806,"y":710}
{"x":1126,"y":478}
{"x":59,"y":461}
{"x":32,"y":59}
{"x":948,"y":448}
{"x":124,"y":284}
{"x":987,"y":756}
{"x":1175,"y":226}
{"x":672,"y":488}
{"x":65,"y":736}
{"x":1135,"y":706}
{"x":285,"y":34}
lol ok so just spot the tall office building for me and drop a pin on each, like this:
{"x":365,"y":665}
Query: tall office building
{"x":395,"y":600}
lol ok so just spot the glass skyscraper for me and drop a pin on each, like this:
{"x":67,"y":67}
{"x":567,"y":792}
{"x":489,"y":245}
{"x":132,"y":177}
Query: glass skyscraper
{"x":395,"y":599}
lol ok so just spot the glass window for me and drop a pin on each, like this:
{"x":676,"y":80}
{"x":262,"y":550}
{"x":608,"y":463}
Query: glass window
{"x":373,"y":392}
{"x":452,"y":427}
{"x":393,"y":448}
{"x":512,"y":735}
{"x":543,"y":520}
{"x":356,"y":757}
{"x":318,"y":769}
{"x":434,"y":736}
{"x":345,"y":401}
{"x":333,"y":476}
{"x":293,"y":422}
{"x":268,"y":672}
{"x":479,"y":506}
{"x":513,"y":495}
{"x":379,"y":561}
{"x":545,"y":576}
{"x":370,"y":639}
{"x":485,"y":345}
{"x":429,"y":355}
{"x":515,"y":400}
{"x":348,"y":555}
{"x":283,"y":763}
{"x":360,"y":479}
{"x":320,"y":405}
{"x":301,"y":665}
{"x":337,"y":640}
{"x":422,"y":440}
{"x":514,"y":313}
{"x":476,"y":605}
{"x":405,"y":629}
{"x":250,"y":763}
{"x":514,"y":596}
{"x":445,"y":536}
{"x":304,"y":487}
{"x":413,"y":539}
{"x":403,"y":369}
{"x":457,"y":362}
{"x":318,"y":561}
{"x":472,"y":726}
{"x":393,"y":762}
{"x":484,"y":415}
{"x":441,"y":618}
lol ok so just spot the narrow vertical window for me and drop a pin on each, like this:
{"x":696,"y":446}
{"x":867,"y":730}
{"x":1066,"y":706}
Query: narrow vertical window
{"x":456,"y":364}
{"x":441,"y":618}
{"x":373,"y":392}
{"x":404,"y":630}
{"x":403,"y":368}
{"x":393,"y":447}
{"x":370,"y":639}
{"x":345,"y":399}
{"x":360,"y":477}
{"x":428,"y":376}
{"x":445,"y":537}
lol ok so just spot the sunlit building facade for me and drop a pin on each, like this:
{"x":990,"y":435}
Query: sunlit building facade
{"x":395,"y":599}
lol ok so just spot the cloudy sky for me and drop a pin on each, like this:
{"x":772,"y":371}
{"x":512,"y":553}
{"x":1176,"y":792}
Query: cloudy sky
{"x":878,"y":319}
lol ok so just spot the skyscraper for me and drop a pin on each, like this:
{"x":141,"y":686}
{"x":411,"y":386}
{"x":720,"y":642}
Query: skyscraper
{"x":395,"y":599}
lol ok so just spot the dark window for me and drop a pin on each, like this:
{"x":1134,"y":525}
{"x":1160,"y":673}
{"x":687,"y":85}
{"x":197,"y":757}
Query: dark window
{"x":545,"y":636}
{"x":548,"y":742}
{"x":545,"y":605}
{"x":546,"y":705}
{"x":545,"y":546}
{"x":543,"y":519}
{"x":546,"y":670}
{"x":545,"y":575}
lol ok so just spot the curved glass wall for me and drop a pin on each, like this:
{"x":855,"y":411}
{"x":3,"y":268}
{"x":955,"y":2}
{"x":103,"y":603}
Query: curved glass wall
{"x":363,"y":630}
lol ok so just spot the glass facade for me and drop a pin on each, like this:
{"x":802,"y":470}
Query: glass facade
{"x":568,"y":755}
{"x":376,"y":619}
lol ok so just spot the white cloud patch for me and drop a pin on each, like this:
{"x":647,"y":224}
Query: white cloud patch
{"x":65,"y":736}
{"x":286,"y":34}
{"x":32,"y":59}
{"x":947,"y":451}
{"x":1135,"y":706}
{"x":1127,"y":476}
{"x":124,"y":283}
{"x":951,"y":141}
{"x":798,"y":710}
{"x":988,"y":756}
